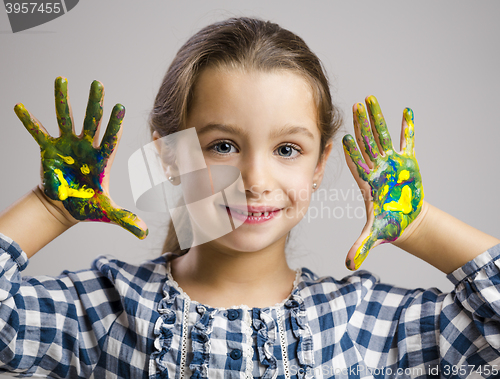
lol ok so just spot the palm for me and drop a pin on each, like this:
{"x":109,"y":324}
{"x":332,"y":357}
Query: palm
{"x":396,"y":193}
{"x":75,"y":168}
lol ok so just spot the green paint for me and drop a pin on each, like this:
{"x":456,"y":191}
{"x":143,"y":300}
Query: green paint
{"x":363,"y":125}
{"x":395,"y":181}
{"x":73,"y":169}
{"x":352,"y":150}
{"x":93,"y":114}
{"x":377,"y":119}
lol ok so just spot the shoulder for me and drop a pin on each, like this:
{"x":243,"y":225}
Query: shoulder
{"x":145,"y":276}
{"x":351,"y":290}
{"x":361,"y":281}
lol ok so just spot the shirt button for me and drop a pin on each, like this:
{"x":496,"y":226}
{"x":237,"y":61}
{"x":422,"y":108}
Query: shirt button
{"x":233,"y":314}
{"x":235,"y":354}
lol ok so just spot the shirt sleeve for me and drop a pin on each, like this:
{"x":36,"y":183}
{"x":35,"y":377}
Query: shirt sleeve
{"x":424,"y":332}
{"x":52,"y":326}
{"x":469,"y":324}
{"x":456,"y":333}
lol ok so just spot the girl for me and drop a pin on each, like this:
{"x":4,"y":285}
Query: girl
{"x":258,"y":100}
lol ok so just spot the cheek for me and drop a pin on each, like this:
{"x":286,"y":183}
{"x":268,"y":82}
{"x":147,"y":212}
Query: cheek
{"x":298,"y":188}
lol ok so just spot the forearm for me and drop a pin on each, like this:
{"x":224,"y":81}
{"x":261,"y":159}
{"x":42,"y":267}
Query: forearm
{"x":32,"y":222}
{"x":444,"y":241}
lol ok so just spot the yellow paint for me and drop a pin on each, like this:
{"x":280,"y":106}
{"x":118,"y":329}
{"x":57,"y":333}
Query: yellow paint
{"x":403,"y":204}
{"x":403,"y":175}
{"x":408,"y":114}
{"x":359,"y":258}
{"x":384,"y":192}
{"x":65,"y":191}
{"x":67,"y":160}
{"x":404,"y":223}
{"x":408,"y":133}
{"x":85,"y":169}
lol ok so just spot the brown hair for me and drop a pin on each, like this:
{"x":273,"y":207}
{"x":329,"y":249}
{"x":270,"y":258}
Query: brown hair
{"x":238,"y":42}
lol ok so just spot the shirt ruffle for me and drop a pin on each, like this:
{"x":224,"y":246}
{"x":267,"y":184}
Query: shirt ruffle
{"x":263,"y":322}
{"x":163,"y":331}
{"x":303,"y":333}
{"x":265,"y":327}
{"x":200,"y":338}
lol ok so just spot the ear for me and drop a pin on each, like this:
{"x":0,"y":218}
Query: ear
{"x":319,"y":171}
{"x":167,"y":159}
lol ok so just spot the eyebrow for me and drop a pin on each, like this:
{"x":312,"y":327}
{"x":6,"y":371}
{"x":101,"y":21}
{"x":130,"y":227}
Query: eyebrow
{"x":287,"y":130}
{"x":283,"y":131}
{"x":222,"y":128}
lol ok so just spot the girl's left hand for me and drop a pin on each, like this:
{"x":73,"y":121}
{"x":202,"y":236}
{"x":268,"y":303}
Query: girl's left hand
{"x":390,"y":181}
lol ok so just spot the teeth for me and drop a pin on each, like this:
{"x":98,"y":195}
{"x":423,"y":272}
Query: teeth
{"x":254,"y":214}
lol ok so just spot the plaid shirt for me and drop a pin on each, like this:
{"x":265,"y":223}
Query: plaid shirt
{"x":118,"y":320}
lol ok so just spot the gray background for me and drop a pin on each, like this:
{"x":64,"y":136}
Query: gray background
{"x":439,"y":58}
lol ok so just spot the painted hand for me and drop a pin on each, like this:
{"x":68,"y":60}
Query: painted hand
{"x":75,"y":169}
{"x":390,"y":181}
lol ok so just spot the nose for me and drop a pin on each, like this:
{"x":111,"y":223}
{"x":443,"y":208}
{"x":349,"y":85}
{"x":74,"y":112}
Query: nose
{"x":257,"y":175}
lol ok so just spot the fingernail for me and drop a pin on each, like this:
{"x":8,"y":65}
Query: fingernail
{"x":408,"y":113}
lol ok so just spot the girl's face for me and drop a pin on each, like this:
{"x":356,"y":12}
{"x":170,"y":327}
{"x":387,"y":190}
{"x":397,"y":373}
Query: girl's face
{"x":265,"y":124}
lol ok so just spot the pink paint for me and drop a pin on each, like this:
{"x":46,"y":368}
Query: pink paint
{"x":374,"y":155}
{"x":364,"y":165}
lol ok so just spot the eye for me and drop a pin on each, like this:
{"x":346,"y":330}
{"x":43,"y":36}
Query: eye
{"x":223,"y":147}
{"x":288,"y":151}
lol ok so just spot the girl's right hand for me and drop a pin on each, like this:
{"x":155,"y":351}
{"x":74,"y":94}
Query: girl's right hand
{"x":75,"y":169}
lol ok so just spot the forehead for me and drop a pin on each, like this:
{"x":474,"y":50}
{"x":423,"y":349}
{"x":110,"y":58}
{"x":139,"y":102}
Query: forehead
{"x":253,"y":100}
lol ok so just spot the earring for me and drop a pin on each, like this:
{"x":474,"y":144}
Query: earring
{"x":314,"y":185}
{"x":171,"y":179}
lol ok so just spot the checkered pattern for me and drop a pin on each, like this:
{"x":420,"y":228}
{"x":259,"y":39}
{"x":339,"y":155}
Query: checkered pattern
{"x":117,"y":320}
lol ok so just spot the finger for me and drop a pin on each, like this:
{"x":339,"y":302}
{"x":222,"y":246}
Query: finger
{"x":378,"y":121}
{"x":364,"y":134}
{"x":352,"y":151}
{"x":408,"y":133}
{"x":63,"y":106}
{"x":32,"y":125}
{"x":93,"y":114}
{"x":129,"y":221}
{"x":359,"y":251}
{"x":112,"y":135}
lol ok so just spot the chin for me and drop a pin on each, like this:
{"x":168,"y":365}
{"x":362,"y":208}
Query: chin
{"x":245,"y":243}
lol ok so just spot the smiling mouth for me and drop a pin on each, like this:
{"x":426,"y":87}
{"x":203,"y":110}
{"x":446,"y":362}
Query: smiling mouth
{"x":252,"y":217}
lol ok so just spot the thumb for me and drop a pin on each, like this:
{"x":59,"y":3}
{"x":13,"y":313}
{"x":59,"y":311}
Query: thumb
{"x":129,"y":221}
{"x":359,"y":251}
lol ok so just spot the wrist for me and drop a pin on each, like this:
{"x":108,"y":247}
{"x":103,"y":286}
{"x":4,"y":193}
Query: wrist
{"x":444,"y":241}
{"x":415,"y":230}
{"x":33,"y":222}
{"x":55,"y":208}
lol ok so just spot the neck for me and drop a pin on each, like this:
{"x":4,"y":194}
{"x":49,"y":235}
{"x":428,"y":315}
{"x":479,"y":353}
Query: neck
{"x":220,"y":277}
